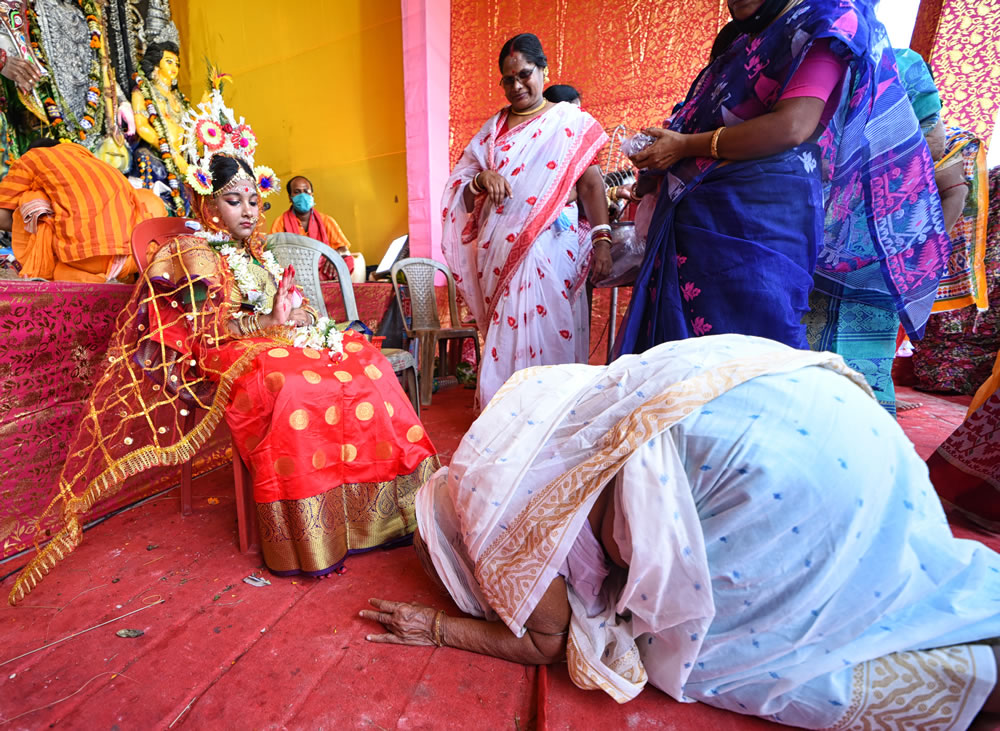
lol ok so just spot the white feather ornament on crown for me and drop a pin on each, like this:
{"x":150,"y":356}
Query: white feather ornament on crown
{"x":213,"y":129}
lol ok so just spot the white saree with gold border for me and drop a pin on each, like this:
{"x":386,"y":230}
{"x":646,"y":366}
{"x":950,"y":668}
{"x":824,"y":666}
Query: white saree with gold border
{"x":788,"y":557}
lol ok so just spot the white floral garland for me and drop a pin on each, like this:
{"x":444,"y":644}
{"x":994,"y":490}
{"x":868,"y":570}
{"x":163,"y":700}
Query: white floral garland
{"x":239,"y":263}
{"x":324,"y":334}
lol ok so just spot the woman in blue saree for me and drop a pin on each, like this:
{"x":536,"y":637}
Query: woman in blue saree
{"x":795,"y":153}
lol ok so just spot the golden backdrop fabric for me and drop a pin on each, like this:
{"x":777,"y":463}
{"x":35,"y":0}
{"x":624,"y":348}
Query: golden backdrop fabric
{"x":631,"y":62}
{"x":960,"y":40}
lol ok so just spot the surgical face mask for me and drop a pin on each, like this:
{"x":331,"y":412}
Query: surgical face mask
{"x":303,"y":202}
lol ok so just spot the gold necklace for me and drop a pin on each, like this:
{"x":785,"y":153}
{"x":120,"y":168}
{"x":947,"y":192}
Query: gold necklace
{"x":530,"y":111}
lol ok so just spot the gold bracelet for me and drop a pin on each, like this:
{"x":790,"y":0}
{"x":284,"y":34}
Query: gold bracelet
{"x":715,"y":142}
{"x":601,"y":239}
{"x":436,"y":628}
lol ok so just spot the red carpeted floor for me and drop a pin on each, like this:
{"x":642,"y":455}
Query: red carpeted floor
{"x":217,"y":652}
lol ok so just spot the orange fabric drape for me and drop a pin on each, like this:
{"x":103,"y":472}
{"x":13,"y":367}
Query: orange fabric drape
{"x":960,"y":40}
{"x":94,"y":210}
{"x":630,"y":62}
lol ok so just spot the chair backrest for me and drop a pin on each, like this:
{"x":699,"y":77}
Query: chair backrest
{"x":158,"y":231}
{"x":304,"y":254}
{"x":419,"y":273}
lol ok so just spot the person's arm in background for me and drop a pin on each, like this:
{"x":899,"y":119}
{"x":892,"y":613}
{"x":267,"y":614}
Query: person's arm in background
{"x":336,"y":235}
{"x":591,"y":191}
{"x":6,"y":219}
{"x":953,"y":189}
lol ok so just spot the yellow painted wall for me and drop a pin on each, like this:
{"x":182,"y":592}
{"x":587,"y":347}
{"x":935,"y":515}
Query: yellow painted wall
{"x":321,"y":83}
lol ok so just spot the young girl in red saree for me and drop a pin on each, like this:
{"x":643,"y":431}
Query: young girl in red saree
{"x":216,"y":329}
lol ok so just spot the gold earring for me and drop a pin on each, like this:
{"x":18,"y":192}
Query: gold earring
{"x":545,"y":73}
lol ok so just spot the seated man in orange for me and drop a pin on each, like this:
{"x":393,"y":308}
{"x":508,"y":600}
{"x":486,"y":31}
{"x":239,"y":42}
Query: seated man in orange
{"x":71,"y":215}
{"x":302,"y":218}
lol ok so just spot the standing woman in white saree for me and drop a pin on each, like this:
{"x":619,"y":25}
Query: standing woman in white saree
{"x":510,"y":223}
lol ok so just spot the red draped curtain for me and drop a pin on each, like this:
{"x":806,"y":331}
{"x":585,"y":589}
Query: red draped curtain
{"x":960,"y":39}
{"x":631,"y":62}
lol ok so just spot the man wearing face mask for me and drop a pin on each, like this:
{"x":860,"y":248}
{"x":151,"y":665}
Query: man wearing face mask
{"x":303,"y":219}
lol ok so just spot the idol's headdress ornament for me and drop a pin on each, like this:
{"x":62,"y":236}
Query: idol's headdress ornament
{"x":212,"y":129}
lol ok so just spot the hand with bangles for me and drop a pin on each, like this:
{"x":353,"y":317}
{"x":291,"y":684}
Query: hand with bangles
{"x":600,"y":264}
{"x":494,"y":185}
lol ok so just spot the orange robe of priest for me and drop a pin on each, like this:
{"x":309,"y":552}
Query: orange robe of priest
{"x":71,"y":215}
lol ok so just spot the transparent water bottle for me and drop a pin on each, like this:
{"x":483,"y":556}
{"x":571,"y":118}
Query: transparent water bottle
{"x":636,"y":143}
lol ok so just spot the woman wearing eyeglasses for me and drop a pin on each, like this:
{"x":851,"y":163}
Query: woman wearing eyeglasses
{"x":510,"y":228}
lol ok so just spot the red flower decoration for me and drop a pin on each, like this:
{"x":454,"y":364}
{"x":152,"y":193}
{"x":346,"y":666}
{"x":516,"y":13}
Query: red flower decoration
{"x":505,"y":148}
{"x":551,"y":164}
{"x":496,"y":270}
{"x":569,"y":132}
{"x":541,"y":310}
{"x":531,"y":350}
{"x":499,"y":209}
{"x":494,"y":354}
{"x":512,"y":322}
{"x":565,"y":334}
{"x":511,"y":237}
{"x":571,"y":255}
{"x":531,"y":201}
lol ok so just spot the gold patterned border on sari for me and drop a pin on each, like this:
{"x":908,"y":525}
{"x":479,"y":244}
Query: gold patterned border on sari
{"x":510,"y":570}
{"x":928,"y":689}
{"x":313,"y":534}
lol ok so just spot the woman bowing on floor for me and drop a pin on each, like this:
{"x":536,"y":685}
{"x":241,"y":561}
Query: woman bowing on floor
{"x":510,"y":223}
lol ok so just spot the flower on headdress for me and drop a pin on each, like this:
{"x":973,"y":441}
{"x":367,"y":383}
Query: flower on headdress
{"x":243,"y":139}
{"x":210,"y":134}
{"x":267,"y":181}
{"x":200,"y":180}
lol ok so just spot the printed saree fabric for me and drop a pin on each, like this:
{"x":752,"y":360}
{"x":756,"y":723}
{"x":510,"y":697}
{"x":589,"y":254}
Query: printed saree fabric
{"x":959,"y":347}
{"x":174,"y":369}
{"x":702,"y":442}
{"x":964,"y":280}
{"x":520,"y":266}
{"x":883,"y":222}
{"x":918,"y":82}
{"x":965,"y":469}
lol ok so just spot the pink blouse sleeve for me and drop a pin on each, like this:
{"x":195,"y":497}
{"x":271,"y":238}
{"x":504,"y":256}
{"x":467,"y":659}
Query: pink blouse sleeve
{"x":818,"y":75}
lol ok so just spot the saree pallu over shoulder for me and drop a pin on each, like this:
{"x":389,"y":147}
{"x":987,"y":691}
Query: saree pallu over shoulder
{"x":513,"y":510}
{"x":541,"y":159}
{"x":172,"y":353}
{"x":884,"y":225}
{"x":964,"y":280}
